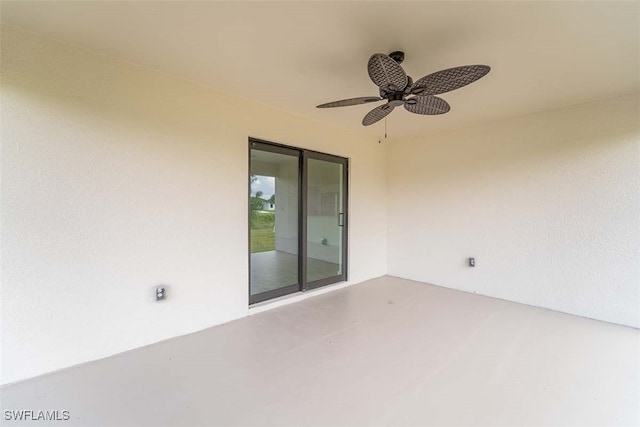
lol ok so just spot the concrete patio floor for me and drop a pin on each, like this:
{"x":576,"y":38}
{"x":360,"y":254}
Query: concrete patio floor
{"x":385,"y":352}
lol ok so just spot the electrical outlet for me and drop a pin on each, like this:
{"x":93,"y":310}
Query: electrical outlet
{"x":161,"y":293}
{"x":472,"y":262}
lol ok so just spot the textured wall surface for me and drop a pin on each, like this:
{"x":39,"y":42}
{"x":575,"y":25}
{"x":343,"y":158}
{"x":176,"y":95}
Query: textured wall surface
{"x":116,"y":178}
{"x":549,"y":204}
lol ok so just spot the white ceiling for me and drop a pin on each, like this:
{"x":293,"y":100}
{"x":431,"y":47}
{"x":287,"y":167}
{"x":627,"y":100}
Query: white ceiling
{"x":295,"y":55}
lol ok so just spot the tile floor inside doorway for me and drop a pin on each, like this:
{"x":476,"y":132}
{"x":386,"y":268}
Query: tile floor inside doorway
{"x":275,"y":269}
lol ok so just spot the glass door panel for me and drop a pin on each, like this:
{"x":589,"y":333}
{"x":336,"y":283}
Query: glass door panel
{"x":325,"y":247}
{"x":274,"y":219}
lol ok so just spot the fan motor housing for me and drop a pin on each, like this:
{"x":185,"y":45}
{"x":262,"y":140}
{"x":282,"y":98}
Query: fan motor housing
{"x":395,"y":98}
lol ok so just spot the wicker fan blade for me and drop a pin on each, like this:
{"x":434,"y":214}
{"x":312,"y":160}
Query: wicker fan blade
{"x":386,"y":73}
{"x":350,"y":101}
{"x":376,"y":114}
{"x":427,"y":105}
{"x":448,"y":80}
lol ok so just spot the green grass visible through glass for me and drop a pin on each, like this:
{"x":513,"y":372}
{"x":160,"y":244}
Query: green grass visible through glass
{"x":263,"y":236}
{"x":263,"y":240}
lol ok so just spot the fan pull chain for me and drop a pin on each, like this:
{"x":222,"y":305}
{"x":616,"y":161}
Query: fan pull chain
{"x":385,"y":131}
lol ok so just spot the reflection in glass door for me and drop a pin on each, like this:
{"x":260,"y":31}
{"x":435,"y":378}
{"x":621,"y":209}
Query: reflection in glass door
{"x":273,"y":221}
{"x":325,"y":253}
{"x":297,"y":220}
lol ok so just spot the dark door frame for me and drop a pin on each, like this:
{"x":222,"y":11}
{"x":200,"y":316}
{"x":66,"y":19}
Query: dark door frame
{"x":343,"y":218}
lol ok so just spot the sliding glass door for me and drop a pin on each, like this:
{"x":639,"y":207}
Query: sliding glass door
{"x":325,"y":222}
{"x":297,"y":220}
{"x":274,"y":222}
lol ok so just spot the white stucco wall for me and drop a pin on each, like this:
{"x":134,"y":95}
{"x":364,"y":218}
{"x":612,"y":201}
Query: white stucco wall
{"x":112,"y":177}
{"x":286,"y":182}
{"x":112,"y":182}
{"x":549,"y":204}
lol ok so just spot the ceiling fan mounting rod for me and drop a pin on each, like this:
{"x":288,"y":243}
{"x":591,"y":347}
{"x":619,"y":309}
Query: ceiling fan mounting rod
{"x":397,"y":56}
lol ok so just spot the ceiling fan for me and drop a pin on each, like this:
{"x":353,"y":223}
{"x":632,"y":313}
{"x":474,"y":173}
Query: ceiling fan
{"x":399,"y":89}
